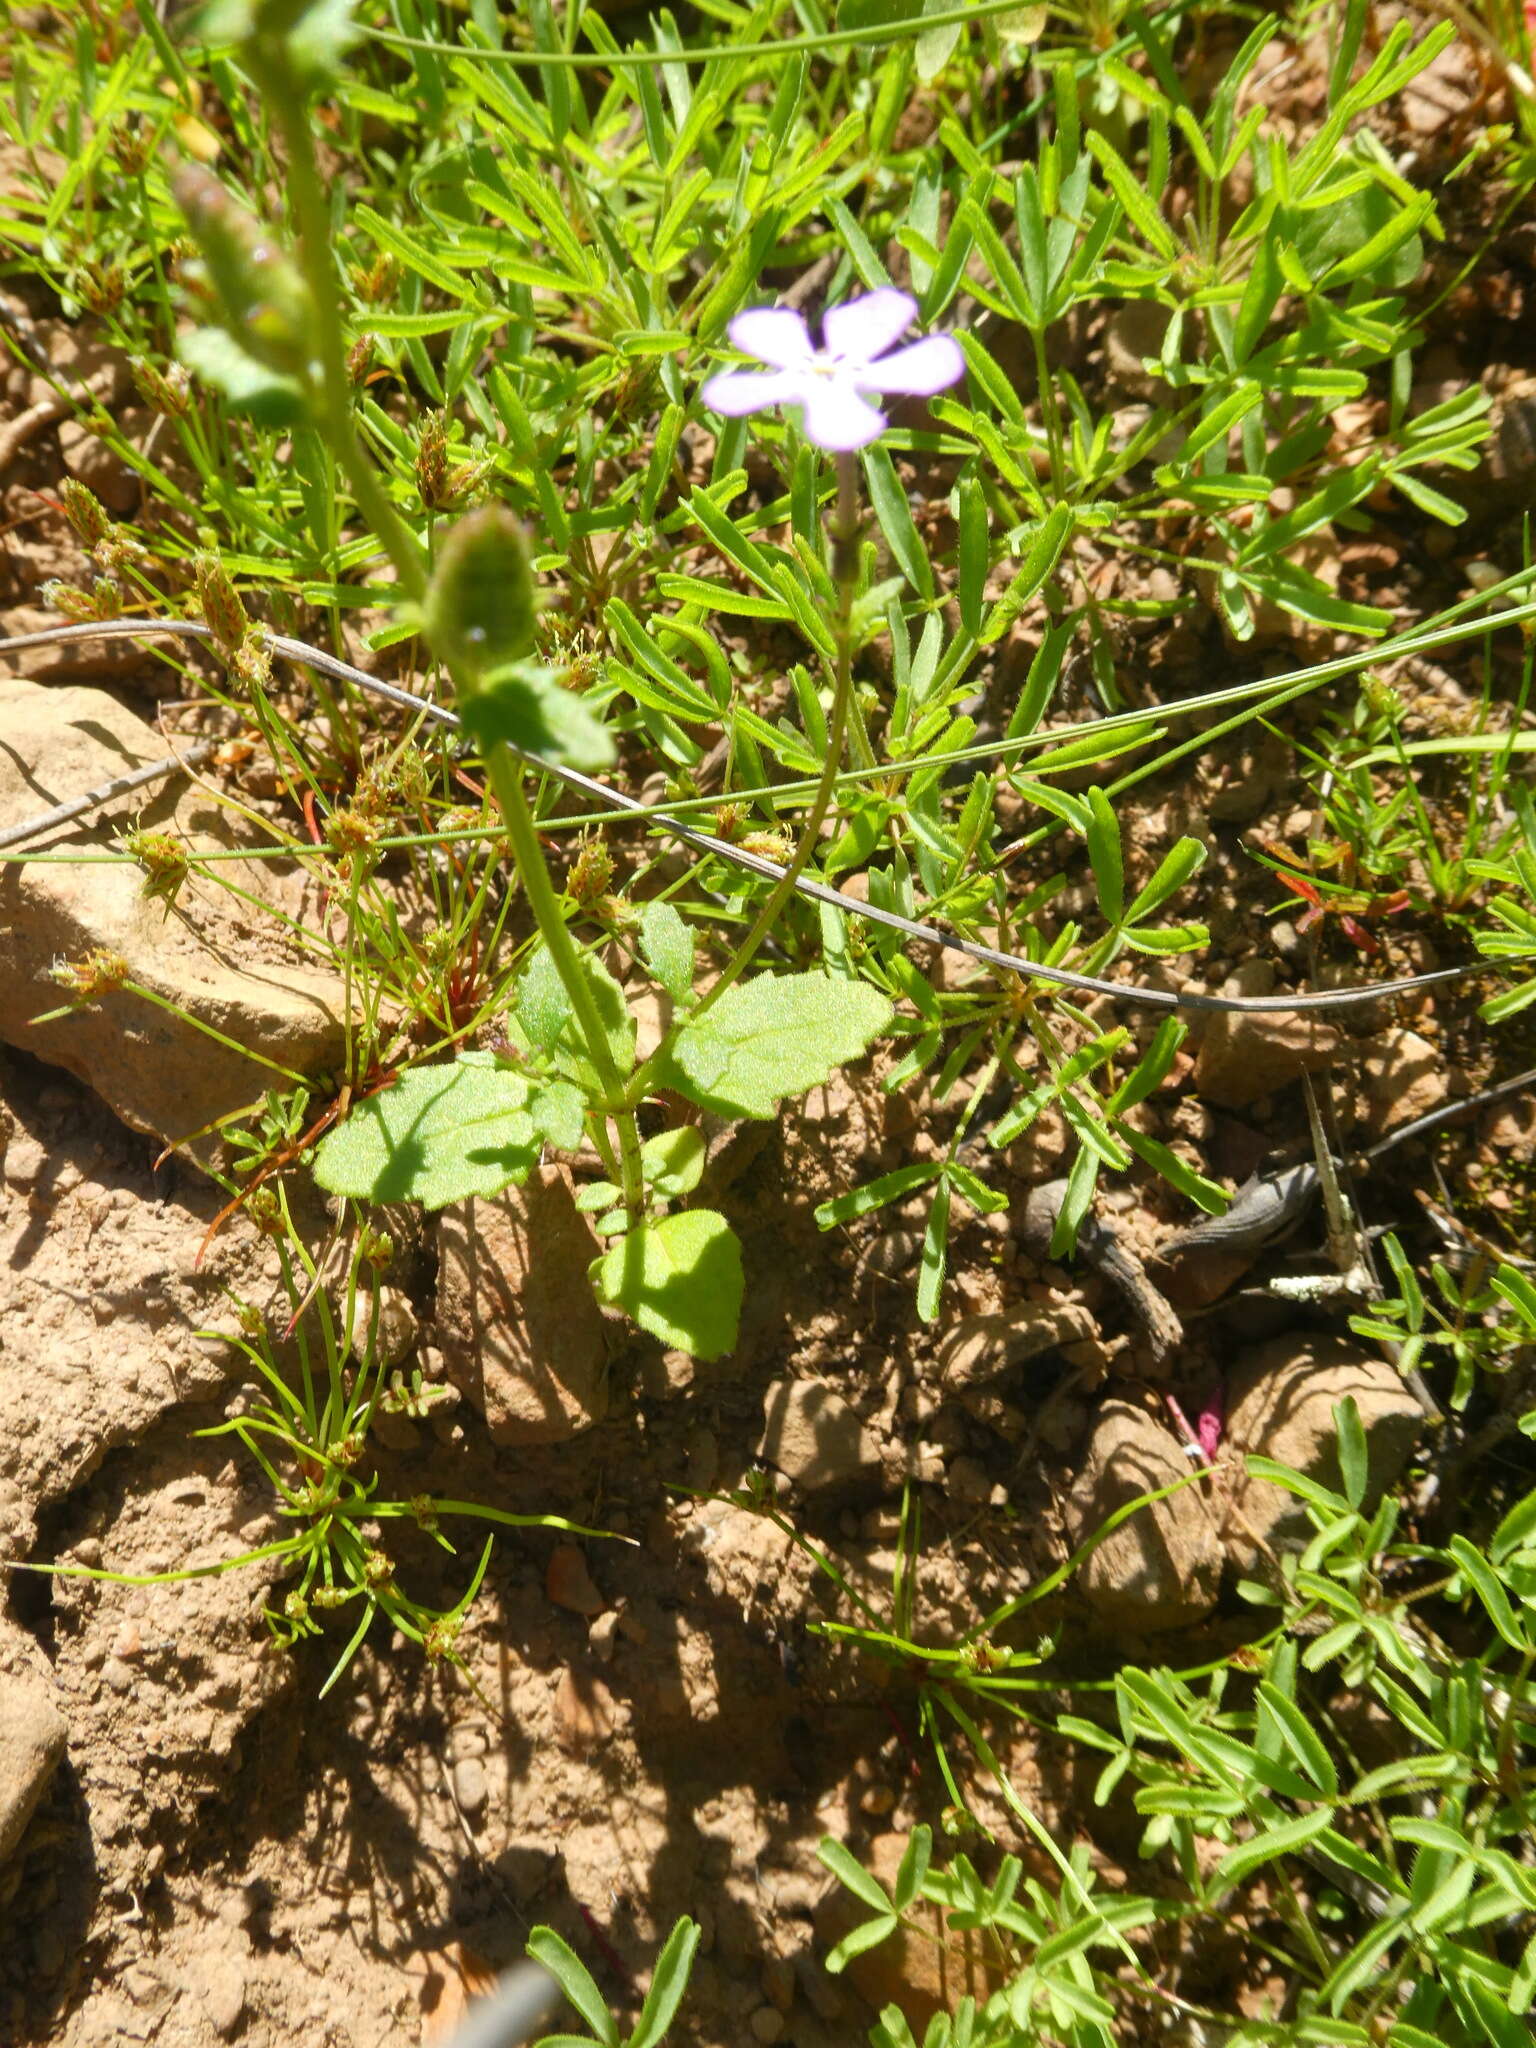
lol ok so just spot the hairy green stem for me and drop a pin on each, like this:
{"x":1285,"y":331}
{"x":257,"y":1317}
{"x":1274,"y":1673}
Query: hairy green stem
{"x":269,"y":66}
{"x":507,"y":782}
{"x":843,"y":530}
{"x":333,"y":397}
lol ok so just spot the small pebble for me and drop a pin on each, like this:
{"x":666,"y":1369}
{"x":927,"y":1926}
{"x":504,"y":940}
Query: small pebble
{"x":470,"y":1786}
{"x":223,"y":1995}
{"x":117,"y":1674}
{"x":779,"y":1982}
{"x":766,"y":2024}
{"x":585,"y":1713}
{"x":24,"y":1159}
{"x":569,"y":1583}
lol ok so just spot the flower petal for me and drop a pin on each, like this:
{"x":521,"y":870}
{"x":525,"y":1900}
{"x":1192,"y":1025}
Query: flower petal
{"x":735,"y":392}
{"x":774,"y":334}
{"x":921,"y":369}
{"x":863,"y":328}
{"x":836,"y":417}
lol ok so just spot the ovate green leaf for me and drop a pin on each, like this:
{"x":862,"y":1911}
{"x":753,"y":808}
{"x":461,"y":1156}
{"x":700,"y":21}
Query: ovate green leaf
{"x":680,"y":1279}
{"x":438,"y":1135}
{"x":774,"y":1036}
{"x":265,"y":396}
{"x":667,"y":945}
{"x":673,"y":1161}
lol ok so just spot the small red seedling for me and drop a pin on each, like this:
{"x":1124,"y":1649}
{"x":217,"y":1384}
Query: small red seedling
{"x":1352,"y":907}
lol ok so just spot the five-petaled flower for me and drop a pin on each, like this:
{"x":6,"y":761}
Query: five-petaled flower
{"x":858,"y":355}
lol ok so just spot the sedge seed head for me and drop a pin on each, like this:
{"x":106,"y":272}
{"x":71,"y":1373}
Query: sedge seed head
{"x":103,"y":287}
{"x":133,"y":148}
{"x":378,"y":281}
{"x":376,"y":1247}
{"x":591,"y":871}
{"x":220,"y":604}
{"x":90,"y":978}
{"x":68,"y":599}
{"x":349,"y":830}
{"x":168,"y":392}
{"x":440,"y":1637}
{"x":432,"y":461}
{"x":85,"y":512}
{"x":266,"y":1212}
{"x":164,"y":861}
{"x":767,"y":845}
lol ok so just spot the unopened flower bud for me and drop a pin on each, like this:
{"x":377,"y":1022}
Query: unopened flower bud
{"x":480,"y":609}
{"x":264,"y":300}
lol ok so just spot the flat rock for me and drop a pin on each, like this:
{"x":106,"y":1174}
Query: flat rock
{"x":518,"y":1325}
{"x":747,"y":1558}
{"x":1280,"y":1405}
{"x":33,"y":1733}
{"x":1161,"y":1568}
{"x":1244,"y":1054}
{"x":979,"y":1347}
{"x":814,"y":1437}
{"x":1405,"y":1077}
{"x":159,"y":1071}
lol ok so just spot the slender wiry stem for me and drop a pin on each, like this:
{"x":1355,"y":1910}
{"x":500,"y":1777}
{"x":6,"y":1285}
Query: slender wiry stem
{"x":843,"y":530}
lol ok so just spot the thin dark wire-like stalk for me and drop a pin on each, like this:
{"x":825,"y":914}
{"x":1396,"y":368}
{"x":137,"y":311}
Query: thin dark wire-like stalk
{"x":300,"y":652}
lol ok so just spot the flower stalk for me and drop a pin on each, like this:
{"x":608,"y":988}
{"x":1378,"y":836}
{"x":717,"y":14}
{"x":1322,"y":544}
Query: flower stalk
{"x":832,"y":387}
{"x":843,"y":531}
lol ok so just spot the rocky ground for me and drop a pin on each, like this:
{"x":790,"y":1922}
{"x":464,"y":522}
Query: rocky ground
{"x":194,"y":1846}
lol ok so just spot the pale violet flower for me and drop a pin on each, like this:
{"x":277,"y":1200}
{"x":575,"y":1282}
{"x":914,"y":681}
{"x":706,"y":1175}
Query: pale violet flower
{"x":829,"y":384}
